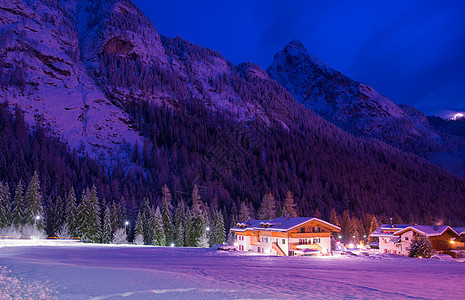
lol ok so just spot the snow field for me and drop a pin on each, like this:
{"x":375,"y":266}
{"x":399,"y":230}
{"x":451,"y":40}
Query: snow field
{"x":132,"y":272}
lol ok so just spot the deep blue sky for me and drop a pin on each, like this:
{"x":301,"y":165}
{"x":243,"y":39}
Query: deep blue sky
{"x":413,"y":52}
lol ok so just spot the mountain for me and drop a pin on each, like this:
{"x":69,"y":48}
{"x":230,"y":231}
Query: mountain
{"x":359,"y":109}
{"x":42,"y":72}
{"x":151,"y":110}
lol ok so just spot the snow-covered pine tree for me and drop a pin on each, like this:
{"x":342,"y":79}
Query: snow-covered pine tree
{"x":289,"y":207}
{"x":5,"y":205}
{"x":83,"y":211}
{"x":167,"y":214}
{"x":179,"y":224}
{"x":190,"y":238}
{"x":139,"y":235}
{"x":217,"y":228}
{"x":34,"y":210}
{"x":145,"y":222}
{"x":71,"y":212}
{"x":107,"y":235}
{"x":94,"y":216}
{"x":420,"y":247}
{"x":117,"y":221}
{"x":267,"y":209}
{"x":120,"y":236}
{"x":212,"y":233}
{"x":159,"y":238}
{"x":19,"y":217}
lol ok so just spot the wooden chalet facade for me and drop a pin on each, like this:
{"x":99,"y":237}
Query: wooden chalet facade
{"x":285,"y":236}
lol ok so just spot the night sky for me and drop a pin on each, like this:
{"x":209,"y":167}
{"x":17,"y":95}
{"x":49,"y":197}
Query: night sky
{"x":413,"y":52}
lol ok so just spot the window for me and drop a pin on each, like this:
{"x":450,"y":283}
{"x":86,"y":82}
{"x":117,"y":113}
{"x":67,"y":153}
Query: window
{"x":284,"y":242}
{"x":302,"y":230}
{"x":406,"y":238}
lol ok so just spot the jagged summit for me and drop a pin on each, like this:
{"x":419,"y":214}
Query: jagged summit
{"x":350,"y":104}
{"x":296,"y":44}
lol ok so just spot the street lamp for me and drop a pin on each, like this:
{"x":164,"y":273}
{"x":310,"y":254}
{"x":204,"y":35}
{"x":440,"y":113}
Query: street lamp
{"x":208,"y":228}
{"x":126,"y":223}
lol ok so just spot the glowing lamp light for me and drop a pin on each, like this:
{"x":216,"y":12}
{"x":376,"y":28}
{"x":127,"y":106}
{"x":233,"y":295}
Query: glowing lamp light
{"x":37,"y":218}
{"x":420,"y":256}
{"x":208,"y":228}
{"x":126,"y":223}
{"x":236,"y":244}
{"x":172,"y":245}
{"x":452,"y":242}
{"x":351,"y":246}
{"x":340,"y":236}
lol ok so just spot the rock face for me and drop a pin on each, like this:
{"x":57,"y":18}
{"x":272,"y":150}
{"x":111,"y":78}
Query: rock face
{"x":73,"y":66}
{"x":43,"y":74}
{"x":350,"y":104}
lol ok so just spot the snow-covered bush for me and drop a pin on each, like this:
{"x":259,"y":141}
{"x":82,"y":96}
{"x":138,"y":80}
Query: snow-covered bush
{"x":138,"y":240}
{"x":32,"y":232}
{"x":11,"y":232}
{"x":63,"y":232}
{"x":421,"y":247}
{"x":120,"y":236}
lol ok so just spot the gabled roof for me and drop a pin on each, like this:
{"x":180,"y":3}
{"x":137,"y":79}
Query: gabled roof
{"x":427,"y":230}
{"x":279,"y":224}
{"x":459,"y":230}
{"x":391,"y":227}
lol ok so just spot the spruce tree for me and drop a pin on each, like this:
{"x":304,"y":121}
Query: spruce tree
{"x":244,"y":213}
{"x":34,"y":210}
{"x":267,"y":209}
{"x":71,"y":212}
{"x":197,"y":205}
{"x":107,"y":235}
{"x":420,"y":246}
{"x":333,"y":218}
{"x":345,"y":224}
{"x":179,"y":224}
{"x":94,"y":216}
{"x":159,"y":238}
{"x":19,"y":217}
{"x":190,"y":234}
{"x":5,"y":205}
{"x":139,"y":236}
{"x":167,"y":213}
{"x":373,"y":227}
{"x":289,"y":207}
{"x":83,"y":211}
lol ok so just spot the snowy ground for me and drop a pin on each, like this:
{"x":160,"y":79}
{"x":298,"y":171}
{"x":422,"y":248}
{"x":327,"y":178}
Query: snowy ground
{"x":108,"y":272}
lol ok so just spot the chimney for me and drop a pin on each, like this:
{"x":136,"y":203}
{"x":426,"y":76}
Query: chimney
{"x":392,"y":224}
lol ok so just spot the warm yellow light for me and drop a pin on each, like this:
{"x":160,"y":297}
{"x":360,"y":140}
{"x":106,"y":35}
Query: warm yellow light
{"x":452,"y":242}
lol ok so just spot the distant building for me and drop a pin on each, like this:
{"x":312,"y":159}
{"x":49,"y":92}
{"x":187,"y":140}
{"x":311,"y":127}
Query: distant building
{"x":285,"y":236}
{"x":388,"y":243}
{"x":396,"y":239}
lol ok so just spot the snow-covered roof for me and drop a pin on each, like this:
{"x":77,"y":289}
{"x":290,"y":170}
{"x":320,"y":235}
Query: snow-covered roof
{"x":427,"y":230}
{"x":279,"y":224}
{"x":380,"y":231}
{"x":459,"y":230}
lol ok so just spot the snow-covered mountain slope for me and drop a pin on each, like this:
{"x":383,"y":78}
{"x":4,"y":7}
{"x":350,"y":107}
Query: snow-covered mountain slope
{"x":351,"y":105}
{"x":42,"y":73}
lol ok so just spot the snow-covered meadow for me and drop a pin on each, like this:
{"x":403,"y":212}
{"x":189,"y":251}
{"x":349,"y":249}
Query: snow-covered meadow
{"x":82,"y":271}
